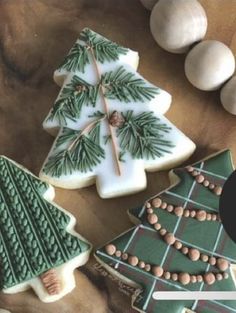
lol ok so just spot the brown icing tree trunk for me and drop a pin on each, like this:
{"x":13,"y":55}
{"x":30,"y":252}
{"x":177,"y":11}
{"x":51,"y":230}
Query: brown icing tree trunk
{"x":51,"y":282}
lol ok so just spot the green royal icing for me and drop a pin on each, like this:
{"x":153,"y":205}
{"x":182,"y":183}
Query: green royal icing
{"x":33,"y":236}
{"x":209,"y":237}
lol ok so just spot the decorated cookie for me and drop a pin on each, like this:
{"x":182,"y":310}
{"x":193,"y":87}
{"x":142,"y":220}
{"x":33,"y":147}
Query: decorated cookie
{"x":110,"y":122}
{"x":38,"y":245}
{"x":179,"y":243}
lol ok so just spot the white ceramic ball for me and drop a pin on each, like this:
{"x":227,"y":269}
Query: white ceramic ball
{"x":177,"y":24}
{"x":228,"y":96}
{"x":148,"y":4}
{"x":209,"y":64}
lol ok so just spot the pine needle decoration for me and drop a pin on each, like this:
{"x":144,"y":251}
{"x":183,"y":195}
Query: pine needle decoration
{"x":67,"y":136}
{"x":142,"y":136}
{"x":119,"y":84}
{"x":103,"y":49}
{"x":126,"y":87}
{"x":82,"y":154}
{"x":76,"y":60}
{"x":73,"y":96}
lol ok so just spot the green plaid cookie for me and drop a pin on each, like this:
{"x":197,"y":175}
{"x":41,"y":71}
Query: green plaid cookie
{"x":143,"y":252}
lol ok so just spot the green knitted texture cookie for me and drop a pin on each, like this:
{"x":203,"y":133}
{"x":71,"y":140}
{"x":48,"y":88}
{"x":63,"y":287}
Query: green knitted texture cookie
{"x":179,"y":243}
{"x":33,"y":236}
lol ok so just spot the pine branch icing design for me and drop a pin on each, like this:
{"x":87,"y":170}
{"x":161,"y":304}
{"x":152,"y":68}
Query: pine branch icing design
{"x":86,"y":146}
{"x":109,"y":118}
{"x":79,"y":56}
{"x":33,"y":231}
{"x":119,"y":84}
{"x":180,"y":243}
{"x":142,"y":136}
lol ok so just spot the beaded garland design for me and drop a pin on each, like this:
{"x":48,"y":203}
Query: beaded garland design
{"x":109,"y":117}
{"x":33,"y":236}
{"x":180,"y":243}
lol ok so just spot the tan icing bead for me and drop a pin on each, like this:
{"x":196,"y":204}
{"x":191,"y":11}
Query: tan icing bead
{"x":178,"y":211}
{"x":201,"y":215}
{"x":212,"y":260}
{"x":178,"y":245}
{"x":163,"y":231}
{"x":194,"y":254}
{"x":222,"y":264}
{"x":164,"y":205}
{"x":147,"y":268}
{"x":156,"y":203}
{"x":219,"y":276}
{"x":157,"y":271}
{"x":199,"y":278}
{"x":141,"y":264}
{"x":211,"y":186}
{"x":149,"y":211}
{"x":170,"y":208}
{"x":167,"y":275}
{"x":204,"y":258}
{"x":193,"y":213}
{"x":186,"y":213}
{"x":200,"y":179}
{"x":214,"y":217}
{"x":209,"y":278}
{"x":170,"y":239}
{"x":152,"y":218}
{"x":124,"y":256}
{"x":195,"y":173}
{"x":184,"y":250}
{"x":206,"y":183}
{"x":208,"y":217}
{"x":218,"y":190}
{"x":157,"y":226}
{"x":225,"y":275}
{"x":184,"y":278}
{"x":118,"y":253}
{"x":193,"y":279}
{"x":174,"y":277}
{"x":189,"y":169}
{"x":148,"y":205}
{"x":110,"y":249}
{"x":133,"y":260}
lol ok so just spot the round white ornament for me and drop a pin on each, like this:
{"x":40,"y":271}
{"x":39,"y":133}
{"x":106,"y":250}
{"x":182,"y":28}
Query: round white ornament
{"x":209,"y":64}
{"x":148,"y":4}
{"x":177,"y":24}
{"x":228,"y":96}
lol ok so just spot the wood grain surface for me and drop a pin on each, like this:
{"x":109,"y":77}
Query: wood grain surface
{"x":35,"y":35}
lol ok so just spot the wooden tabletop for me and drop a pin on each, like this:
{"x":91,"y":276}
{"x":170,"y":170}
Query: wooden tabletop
{"x":34,"y":38}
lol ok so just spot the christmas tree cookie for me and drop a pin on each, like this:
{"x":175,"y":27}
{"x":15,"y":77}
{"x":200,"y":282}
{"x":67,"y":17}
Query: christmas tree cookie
{"x":39,"y":247}
{"x":110,"y":122}
{"x":179,"y":243}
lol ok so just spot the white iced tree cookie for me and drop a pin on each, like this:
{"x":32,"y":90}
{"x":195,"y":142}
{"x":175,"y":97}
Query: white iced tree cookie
{"x":110,"y":122}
